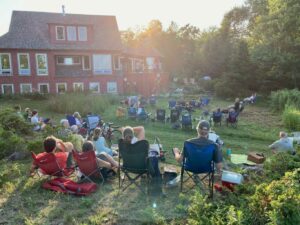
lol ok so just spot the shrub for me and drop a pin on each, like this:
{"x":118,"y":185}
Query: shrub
{"x":279,"y":99}
{"x":36,"y":145}
{"x":83,"y":103}
{"x":291,"y":118}
{"x":10,"y":121}
{"x":9,"y":143}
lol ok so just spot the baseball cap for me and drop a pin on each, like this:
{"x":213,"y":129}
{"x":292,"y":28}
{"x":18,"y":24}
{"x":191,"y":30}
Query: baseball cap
{"x":203,"y":125}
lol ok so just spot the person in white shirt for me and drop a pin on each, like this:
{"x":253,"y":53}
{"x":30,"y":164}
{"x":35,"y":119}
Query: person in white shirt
{"x":284,"y":144}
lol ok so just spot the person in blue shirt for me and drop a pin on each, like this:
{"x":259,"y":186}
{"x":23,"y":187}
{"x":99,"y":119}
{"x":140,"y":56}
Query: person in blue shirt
{"x":100,"y":143}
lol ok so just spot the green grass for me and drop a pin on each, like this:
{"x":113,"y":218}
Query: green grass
{"x":22,"y":201}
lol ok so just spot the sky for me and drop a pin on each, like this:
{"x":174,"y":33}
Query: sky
{"x":130,"y":13}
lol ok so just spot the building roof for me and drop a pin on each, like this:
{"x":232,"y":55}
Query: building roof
{"x":30,"y":30}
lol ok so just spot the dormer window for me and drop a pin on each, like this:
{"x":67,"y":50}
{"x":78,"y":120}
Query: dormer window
{"x":60,"y":33}
{"x":82,"y":33}
{"x":71,"y":33}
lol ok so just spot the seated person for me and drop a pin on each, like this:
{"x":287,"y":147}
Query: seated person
{"x":76,"y":138}
{"x":217,"y":115}
{"x":202,"y":140}
{"x":105,"y":160}
{"x":133,"y":134}
{"x":100,"y":143}
{"x":51,"y":144}
{"x":78,"y":119}
{"x":17,"y":109}
{"x":284,"y":144}
{"x":38,"y":123}
{"x":215,"y":138}
{"x":65,"y":128}
{"x":27,"y":114}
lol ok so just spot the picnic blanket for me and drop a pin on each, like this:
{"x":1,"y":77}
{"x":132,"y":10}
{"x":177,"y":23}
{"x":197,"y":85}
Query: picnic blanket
{"x":241,"y":159}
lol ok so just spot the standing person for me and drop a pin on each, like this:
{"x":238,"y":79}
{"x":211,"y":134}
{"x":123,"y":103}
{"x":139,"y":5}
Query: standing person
{"x":284,"y":144}
{"x":202,"y":140}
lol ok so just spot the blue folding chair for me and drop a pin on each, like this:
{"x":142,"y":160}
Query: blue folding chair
{"x":186,"y":121}
{"x":132,"y":113}
{"x":161,"y":115}
{"x":143,"y":115}
{"x":152,"y":100}
{"x":198,"y":160}
{"x":71,"y":119}
{"x":92,"y":121}
{"x":217,"y":117}
{"x":172,"y":104}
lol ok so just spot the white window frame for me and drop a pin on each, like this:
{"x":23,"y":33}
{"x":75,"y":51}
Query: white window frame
{"x":64,"y":64}
{"x":39,"y":87}
{"x":102,"y":71}
{"x":73,"y":28}
{"x":2,"y":87}
{"x":76,"y":83}
{"x":6,"y":70}
{"x":21,"y":89}
{"x":82,"y":61}
{"x":64,"y":33}
{"x":37,"y":66}
{"x":98,"y":91}
{"x":65,"y":84}
{"x":107,"y":89}
{"x":27,"y":72}
{"x":119,"y":61}
{"x":82,"y":38}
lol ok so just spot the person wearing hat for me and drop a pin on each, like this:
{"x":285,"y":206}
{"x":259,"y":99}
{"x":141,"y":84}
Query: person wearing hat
{"x":202,"y":140}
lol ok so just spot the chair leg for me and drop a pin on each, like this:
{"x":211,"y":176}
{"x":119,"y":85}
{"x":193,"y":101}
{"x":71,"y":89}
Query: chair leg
{"x":181,"y":179}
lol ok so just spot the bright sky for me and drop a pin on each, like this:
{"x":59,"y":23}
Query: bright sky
{"x":130,"y":13}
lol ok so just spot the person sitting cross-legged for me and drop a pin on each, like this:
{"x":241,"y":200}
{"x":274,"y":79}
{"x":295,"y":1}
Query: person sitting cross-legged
{"x":202,"y":140}
{"x":284,"y":144}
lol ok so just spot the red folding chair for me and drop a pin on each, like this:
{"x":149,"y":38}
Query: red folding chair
{"x":87,"y":164}
{"x":52,"y":164}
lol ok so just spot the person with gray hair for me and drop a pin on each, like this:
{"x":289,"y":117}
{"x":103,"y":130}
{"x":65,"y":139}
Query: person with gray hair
{"x":284,"y":144}
{"x":202,"y":140}
{"x":133,"y":134}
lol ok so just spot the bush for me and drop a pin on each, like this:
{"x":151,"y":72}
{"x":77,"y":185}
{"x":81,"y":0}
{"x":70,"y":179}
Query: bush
{"x":291,"y":118}
{"x":36,"y":145}
{"x":83,"y":103}
{"x":279,"y":99}
{"x":10,"y":143}
{"x":10,"y":121}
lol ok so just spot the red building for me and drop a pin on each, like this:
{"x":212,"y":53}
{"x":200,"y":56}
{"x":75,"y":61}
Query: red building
{"x":57,"y":53}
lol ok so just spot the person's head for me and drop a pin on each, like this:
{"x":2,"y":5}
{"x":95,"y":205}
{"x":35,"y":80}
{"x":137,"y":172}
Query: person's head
{"x":203,"y":128}
{"x":77,"y":115}
{"x":87,"y":146}
{"x":96,"y":134}
{"x":65,"y":123}
{"x":282,"y":134}
{"x":74,"y":129}
{"x":237,"y":100}
{"x":128,"y":134}
{"x":49,"y":144}
{"x":27,"y":110}
{"x":34,"y":112}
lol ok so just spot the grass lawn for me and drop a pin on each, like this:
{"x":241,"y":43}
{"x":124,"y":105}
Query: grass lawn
{"x":22,"y":201}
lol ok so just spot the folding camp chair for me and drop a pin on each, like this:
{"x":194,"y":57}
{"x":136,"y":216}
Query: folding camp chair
{"x":142,"y":115}
{"x":161,"y":115}
{"x":217,"y":117}
{"x":198,"y":160}
{"x":172,"y":103}
{"x":87,"y":164}
{"x":71,"y":119}
{"x":232,"y":119}
{"x":174,"y":115}
{"x":186,"y":121}
{"x":132,"y":113}
{"x":152,"y":100}
{"x":135,"y":161}
{"x":52,"y":164}
{"x":92,"y":122}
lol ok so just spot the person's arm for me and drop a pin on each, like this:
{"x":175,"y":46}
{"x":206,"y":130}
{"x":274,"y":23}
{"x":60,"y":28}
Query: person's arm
{"x":218,"y":158}
{"x":102,"y":146}
{"x":178,"y":155}
{"x":140,"y":132}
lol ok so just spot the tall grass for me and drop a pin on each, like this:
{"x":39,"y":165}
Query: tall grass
{"x":83,"y":103}
{"x":279,"y":99}
{"x":291,"y":118}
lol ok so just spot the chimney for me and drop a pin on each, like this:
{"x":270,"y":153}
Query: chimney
{"x":63,"y":10}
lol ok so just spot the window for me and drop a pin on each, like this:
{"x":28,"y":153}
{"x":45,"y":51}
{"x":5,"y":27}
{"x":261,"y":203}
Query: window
{"x":41,"y":64}
{"x":68,"y":60}
{"x":138,"y":65}
{"x":7,"y":89}
{"x":71,"y":33}
{"x":150,"y":63}
{"x":94,"y":87}
{"x":60,"y":33}
{"x":25,"y":88}
{"x":102,"y":64}
{"x":82,"y":33}
{"x":5,"y":64}
{"x":43,"y":88}
{"x":86,"y":65}
{"x":24,"y":64}
{"x":61,"y":88}
{"x":112,"y":87}
{"x":78,"y":87}
{"x":117,"y":64}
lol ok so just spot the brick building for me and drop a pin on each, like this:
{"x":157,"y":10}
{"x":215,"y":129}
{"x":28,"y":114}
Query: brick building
{"x":57,"y":53}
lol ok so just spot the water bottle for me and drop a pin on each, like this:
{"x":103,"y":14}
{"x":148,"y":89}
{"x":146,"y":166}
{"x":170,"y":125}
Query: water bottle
{"x":228,"y":152}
